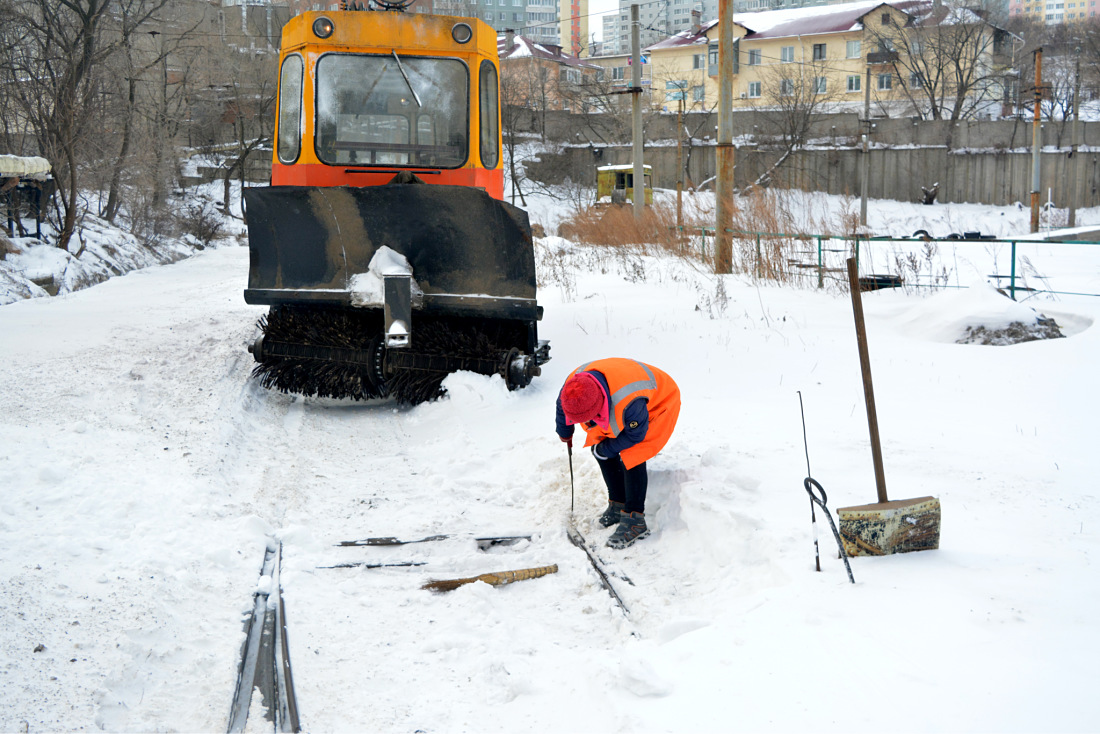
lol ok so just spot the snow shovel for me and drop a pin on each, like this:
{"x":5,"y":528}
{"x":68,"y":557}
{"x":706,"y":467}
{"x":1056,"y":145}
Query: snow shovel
{"x":884,"y":527}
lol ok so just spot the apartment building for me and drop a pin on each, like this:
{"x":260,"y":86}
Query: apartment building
{"x":826,"y":52}
{"x":658,"y":20}
{"x":1052,"y":13}
{"x":574,"y":27}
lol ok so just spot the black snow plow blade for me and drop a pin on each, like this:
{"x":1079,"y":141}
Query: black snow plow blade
{"x":385,"y":290}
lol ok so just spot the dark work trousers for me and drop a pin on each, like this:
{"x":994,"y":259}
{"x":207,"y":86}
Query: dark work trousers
{"x":625,"y":485}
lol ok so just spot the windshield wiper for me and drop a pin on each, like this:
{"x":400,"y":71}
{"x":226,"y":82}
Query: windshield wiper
{"x":406,"y":78}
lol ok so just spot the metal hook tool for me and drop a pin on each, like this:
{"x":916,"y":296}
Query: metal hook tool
{"x":811,"y":484}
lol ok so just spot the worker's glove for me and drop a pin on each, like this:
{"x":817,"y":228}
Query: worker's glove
{"x":567,"y":440}
{"x":597,"y":454}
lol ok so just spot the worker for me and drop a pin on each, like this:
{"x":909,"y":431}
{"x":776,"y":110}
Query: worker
{"x":628,"y":410}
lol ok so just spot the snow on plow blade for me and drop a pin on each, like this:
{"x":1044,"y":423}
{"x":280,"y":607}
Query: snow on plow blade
{"x":469,"y":253}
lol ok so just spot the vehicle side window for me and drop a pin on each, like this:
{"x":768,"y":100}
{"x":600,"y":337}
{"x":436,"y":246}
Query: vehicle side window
{"x":490,"y":115}
{"x":290,"y":109}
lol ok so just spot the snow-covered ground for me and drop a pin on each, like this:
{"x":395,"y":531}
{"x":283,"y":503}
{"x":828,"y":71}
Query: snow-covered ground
{"x":144,"y":472}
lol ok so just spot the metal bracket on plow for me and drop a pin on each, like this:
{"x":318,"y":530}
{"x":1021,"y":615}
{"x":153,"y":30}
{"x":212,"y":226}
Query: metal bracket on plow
{"x":398,"y":309}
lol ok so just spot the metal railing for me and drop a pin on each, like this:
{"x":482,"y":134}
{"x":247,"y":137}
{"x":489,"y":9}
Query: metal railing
{"x":828,"y":257}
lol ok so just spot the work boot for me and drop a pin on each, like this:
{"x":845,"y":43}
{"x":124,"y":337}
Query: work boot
{"x":610,"y":516}
{"x":631,"y":527}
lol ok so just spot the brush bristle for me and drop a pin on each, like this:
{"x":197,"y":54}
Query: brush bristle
{"x":323,"y":340}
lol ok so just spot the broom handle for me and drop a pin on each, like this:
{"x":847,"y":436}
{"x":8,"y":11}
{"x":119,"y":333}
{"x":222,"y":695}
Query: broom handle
{"x":868,"y":388}
{"x":506,"y":577}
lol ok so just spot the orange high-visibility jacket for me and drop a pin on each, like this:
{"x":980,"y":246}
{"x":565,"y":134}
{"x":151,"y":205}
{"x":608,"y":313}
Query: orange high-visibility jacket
{"x":628,"y":380}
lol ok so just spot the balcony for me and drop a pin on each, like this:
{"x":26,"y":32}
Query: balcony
{"x":881,"y":57}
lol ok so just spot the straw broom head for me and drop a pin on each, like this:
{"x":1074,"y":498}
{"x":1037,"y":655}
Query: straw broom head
{"x":498,"y":578}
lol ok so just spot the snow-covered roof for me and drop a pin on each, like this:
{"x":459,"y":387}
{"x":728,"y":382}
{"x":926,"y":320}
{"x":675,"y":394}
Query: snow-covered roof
{"x":522,"y":47}
{"x":687,"y":38}
{"x":14,"y":165}
{"x":818,"y":19}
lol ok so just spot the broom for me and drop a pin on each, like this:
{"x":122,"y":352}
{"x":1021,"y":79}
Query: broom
{"x":499,"y":578}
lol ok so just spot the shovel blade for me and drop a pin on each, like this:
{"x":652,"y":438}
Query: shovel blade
{"x":900,"y":526}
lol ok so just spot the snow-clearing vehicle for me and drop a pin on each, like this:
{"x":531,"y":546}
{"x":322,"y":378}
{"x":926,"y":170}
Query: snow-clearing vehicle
{"x":383,"y":245}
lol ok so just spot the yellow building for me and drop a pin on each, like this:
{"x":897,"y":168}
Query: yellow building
{"x":825,"y":54}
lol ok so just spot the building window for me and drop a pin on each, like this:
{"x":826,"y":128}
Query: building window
{"x":853,"y":49}
{"x":618,"y":73}
{"x":699,"y":61}
{"x":754,"y":89}
{"x":786,"y":54}
{"x":819,"y":85}
{"x":712,"y":52}
{"x":854,"y":82}
{"x":916,"y":80}
{"x":786,"y":87}
{"x":886,"y":19}
{"x":699,"y":94}
{"x":819,"y":52}
{"x":754,"y":57}
{"x":884,"y":82}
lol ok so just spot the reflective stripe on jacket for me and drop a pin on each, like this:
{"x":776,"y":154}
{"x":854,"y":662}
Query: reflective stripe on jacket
{"x":628,"y":380}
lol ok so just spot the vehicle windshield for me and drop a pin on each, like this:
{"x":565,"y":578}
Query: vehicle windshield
{"x":376,"y":111}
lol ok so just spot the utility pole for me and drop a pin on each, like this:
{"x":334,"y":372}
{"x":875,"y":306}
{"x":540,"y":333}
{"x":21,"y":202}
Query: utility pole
{"x":723,"y":224}
{"x":865,"y":159}
{"x":636,"y":112}
{"x":1076,"y":141}
{"x":1035,"y":138}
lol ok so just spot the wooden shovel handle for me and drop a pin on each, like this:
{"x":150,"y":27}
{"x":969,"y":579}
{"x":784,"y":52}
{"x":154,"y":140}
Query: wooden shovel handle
{"x":868,"y":388}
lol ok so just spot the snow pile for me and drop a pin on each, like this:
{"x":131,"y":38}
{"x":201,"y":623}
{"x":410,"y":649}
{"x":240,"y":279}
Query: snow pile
{"x":977,"y":314}
{"x":145,"y":473}
{"x":30,"y":268}
{"x":368,"y":289}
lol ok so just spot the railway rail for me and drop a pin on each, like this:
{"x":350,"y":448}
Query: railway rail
{"x":265,"y":667}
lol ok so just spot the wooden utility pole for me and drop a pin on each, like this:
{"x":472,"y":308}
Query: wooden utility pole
{"x":723,"y":225}
{"x":1036,"y":136}
{"x":636,"y":112}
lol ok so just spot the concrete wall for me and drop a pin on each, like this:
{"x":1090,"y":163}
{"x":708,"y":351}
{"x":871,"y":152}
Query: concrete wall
{"x":976,"y":162}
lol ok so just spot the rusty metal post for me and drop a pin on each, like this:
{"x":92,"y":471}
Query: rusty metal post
{"x":636,"y":112}
{"x":723,"y":225}
{"x":868,"y":389}
{"x":1035,"y":139}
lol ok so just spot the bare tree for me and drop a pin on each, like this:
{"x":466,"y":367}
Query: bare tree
{"x":140,"y":70}
{"x":790,"y":99}
{"x":948,"y":63}
{"x":52,"y":58}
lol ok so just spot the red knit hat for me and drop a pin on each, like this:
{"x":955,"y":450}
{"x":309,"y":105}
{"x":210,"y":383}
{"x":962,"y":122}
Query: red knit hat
{"x":583,"y":399}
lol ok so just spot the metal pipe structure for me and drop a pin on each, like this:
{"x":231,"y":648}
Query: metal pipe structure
{"x":723,"y":225}
{"x":636,"y":112}
{"x":865,"y":159}
{"x":1073,"y":168}
{"x":1035,"y":139}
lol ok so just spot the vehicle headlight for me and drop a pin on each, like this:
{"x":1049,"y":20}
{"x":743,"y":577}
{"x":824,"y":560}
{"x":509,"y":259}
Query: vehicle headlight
{"x":323,"y":27}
